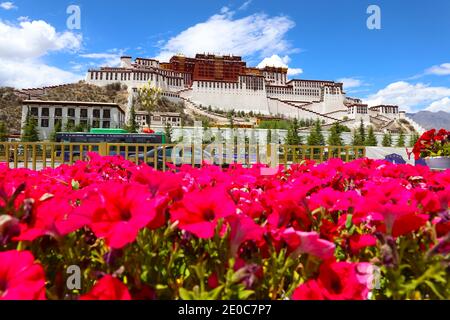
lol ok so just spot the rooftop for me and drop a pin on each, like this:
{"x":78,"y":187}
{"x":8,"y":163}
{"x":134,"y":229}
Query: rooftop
{"x":72,"y":103}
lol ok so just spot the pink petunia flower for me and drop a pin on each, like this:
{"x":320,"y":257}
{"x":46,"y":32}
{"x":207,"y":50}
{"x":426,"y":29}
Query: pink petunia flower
{"x":308,"y":242}
{"x":199,"y":211}
{"x":108,"y":288}
{"x":20,"y":277}
{"x":336,"y":281}
{"x":117,"y":212}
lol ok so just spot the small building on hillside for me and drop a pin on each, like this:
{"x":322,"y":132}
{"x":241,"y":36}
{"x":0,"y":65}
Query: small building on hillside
{"x":159,"y":119}
{"x":73,"y":114}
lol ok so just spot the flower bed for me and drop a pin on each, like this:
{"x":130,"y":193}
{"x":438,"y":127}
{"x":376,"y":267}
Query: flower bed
{"x":362,"y":230}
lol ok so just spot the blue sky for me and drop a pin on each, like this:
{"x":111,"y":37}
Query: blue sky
{"x":406,"y":62}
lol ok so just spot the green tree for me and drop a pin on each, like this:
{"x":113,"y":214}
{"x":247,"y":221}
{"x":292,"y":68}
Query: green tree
{"x":413,"y":139}
{"x":57,"y":128}
{"x":335,"y":139}
{"x":362,"y":133}
{"x":293,"y":138}
{"x":231,"y":119}
{"x":356,"y":139}
{"x":401,"y":139}
{"x":371,"y":140}
{"x":70,"y":126}
{"x":387,"y":140}
{"x":168,"y":131}
{"x":269,"y":136}
{"x":3,"y":132}
{"x":30,"y":131}
{"x":132,"y":125}
{"x":316,"y":137}
{"x":149,"y":97}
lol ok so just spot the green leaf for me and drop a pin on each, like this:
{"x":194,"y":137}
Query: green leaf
{"x":75,"y":185}
{"x":185,"y":294}
{"x":214,"y":294}
{"x":348,"y":222}
{"x":433,"y":288}
{"x":245,"y":294}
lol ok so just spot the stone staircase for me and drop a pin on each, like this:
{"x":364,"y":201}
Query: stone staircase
{"x":193,"y":109}
{"x":313,"y":113}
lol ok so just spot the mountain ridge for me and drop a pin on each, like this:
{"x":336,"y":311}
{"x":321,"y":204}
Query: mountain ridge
{"x":432,"y":120}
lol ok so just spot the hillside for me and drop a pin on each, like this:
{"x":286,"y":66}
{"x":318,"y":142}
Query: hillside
{"x":11,"y":100}
{"x":430,"y":120}
{"x":10,"y":110}
{"x":86,"y":92}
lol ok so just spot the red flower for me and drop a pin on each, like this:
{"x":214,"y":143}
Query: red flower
{"x":213,"y":281}
{"x":20,"y":277}
{"x":48,"y":218}
{"x":392,"y":207}
{"x":117,"y":212}
{"x":308,"y":242}
{"x":199,"y":211}
{"x":243,"y":229}
{"x":430,"y":142}
{"x":289,"y":205}
{"x":361,"y":241}
{"x":336,"y":281}
{"x":333,"y":200}
{"x":108,"y":288}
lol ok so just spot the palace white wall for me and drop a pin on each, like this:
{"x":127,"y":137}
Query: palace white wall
{"x":229,"y":99}
{"x":157,"y":80}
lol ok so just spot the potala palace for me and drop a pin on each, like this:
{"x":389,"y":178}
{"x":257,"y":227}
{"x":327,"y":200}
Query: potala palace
{"x":227,"y":83}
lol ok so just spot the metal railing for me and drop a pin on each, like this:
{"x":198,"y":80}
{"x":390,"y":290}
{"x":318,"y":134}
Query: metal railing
{"x":41,"y":155}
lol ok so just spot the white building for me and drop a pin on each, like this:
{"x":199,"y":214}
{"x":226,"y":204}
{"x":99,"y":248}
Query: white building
{"x":73,"y":114}
{"x":226,"y":83}
{"x":158,"y":119}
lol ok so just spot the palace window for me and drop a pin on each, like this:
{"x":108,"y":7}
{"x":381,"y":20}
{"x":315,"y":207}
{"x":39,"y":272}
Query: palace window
{"x":44,"y":123}
{"x":95,"y":124}
{"x":106,"y":113}
{"x":96,"y":113}
{"x":34,"y":112}
{"x":71,"y":112}
{"x":45,"y":112}
{"x":106,"y":124}
{"x":83,"y":113}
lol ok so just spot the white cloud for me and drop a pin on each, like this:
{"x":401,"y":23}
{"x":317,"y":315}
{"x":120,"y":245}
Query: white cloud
{"x":440,"y":105}
{"x":33,"y":39}
{"x":22,"y":48}
{"x":257,"y":34}
{"x":110,"y":59}
{"x":245,"y":5}
{"x":8,"y":5}
{"x":351,"y":82}
{"x":277,"y":61}
{"x":409,"y":97}
{"x":33,"y":74}
{"x":440,"y":70}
